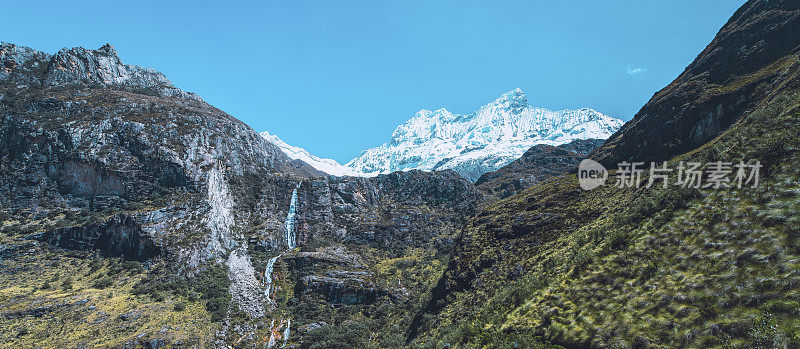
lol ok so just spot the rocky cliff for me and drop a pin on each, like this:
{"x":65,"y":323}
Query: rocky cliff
{"x":99,"y":155}
{"x":365,"y":244}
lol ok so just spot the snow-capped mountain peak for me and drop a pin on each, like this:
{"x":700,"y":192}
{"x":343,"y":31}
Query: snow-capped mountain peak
{"x":511,"y":100}
{"x":471,"y":144}
{"x":482,"y":141}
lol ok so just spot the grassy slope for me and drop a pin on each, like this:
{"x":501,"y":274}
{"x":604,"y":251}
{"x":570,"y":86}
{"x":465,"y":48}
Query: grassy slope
{"x":112,"y":316}
{"x":670,"y":267}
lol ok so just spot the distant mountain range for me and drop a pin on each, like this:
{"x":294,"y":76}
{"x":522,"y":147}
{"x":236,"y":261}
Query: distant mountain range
{"x":471,"y":144}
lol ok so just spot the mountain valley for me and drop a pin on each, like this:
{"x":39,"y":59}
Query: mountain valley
{"x":135,"y":214}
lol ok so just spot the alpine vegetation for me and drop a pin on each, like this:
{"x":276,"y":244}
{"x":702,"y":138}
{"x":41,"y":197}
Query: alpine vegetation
{"x":134,"y":214}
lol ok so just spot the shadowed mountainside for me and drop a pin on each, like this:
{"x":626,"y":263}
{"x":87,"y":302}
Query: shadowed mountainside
{"x":539,"y":163}
{"x":651,"y":267}
{"x":753,"y":58}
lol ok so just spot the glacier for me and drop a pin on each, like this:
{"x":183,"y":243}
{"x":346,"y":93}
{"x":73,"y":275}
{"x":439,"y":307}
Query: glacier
{"x":470,"y":144}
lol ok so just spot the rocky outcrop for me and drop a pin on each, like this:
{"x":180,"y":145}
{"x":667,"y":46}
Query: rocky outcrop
{"x":119,"y":236}
{"x":753,"y":57}
{"x":388,"y":212}
{"x":324,"y":257}
{"x":399,"y":209}
{"x":101,"y":68}
{"x":413,"y":208}
{"x":20,"y":65}
{"x":342,"y":290}
{"x":13,"y":250}
{"x":335,"y":274}
{"x":539,"y":163}
{"x":42,"y":310}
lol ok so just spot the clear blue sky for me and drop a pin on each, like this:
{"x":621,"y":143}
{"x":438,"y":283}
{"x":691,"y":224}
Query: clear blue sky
{"x":337,"y":77}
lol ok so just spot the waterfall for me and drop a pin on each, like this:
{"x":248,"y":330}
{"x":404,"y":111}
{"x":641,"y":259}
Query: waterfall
{"x":286,"y":332}
{"x":268,"y":275}
{"x":291,"y":235}
{"x":275,"y":333}
{"x":291,"y":242}
{"x":271,"y":342}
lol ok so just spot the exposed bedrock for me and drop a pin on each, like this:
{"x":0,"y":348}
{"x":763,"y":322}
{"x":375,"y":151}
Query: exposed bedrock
{"x":119,"y":236}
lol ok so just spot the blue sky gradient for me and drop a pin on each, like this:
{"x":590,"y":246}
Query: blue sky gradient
{"x":336,"y":77}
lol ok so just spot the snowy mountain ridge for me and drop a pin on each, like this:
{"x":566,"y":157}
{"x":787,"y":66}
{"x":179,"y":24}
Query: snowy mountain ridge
{"x":328,"y":166}
{"x":471,"y":144}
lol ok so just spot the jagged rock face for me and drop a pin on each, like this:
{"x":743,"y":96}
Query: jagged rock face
{"x":398,"y":209}
{"x":84,"y":136}
{"x":338,"y":290}
{"x":537,"y":164}
{"x":388,"y":212}
{"x":401,"y":208}
{"x":754,"y":56}
{"x":79,"y":66}
{"x":336,"y":275}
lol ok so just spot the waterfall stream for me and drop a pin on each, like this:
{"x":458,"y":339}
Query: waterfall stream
{"x":268,"y":276}
{"x":291,"y":242}
{"x":286,"y":331}
{"x":291,"y":234}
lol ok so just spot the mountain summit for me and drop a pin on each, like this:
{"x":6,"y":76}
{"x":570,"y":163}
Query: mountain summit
{"x":482,"y":141}
{"x":328,"y":166}
{"x":470,"y":144}
{"x":79,"y":66}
